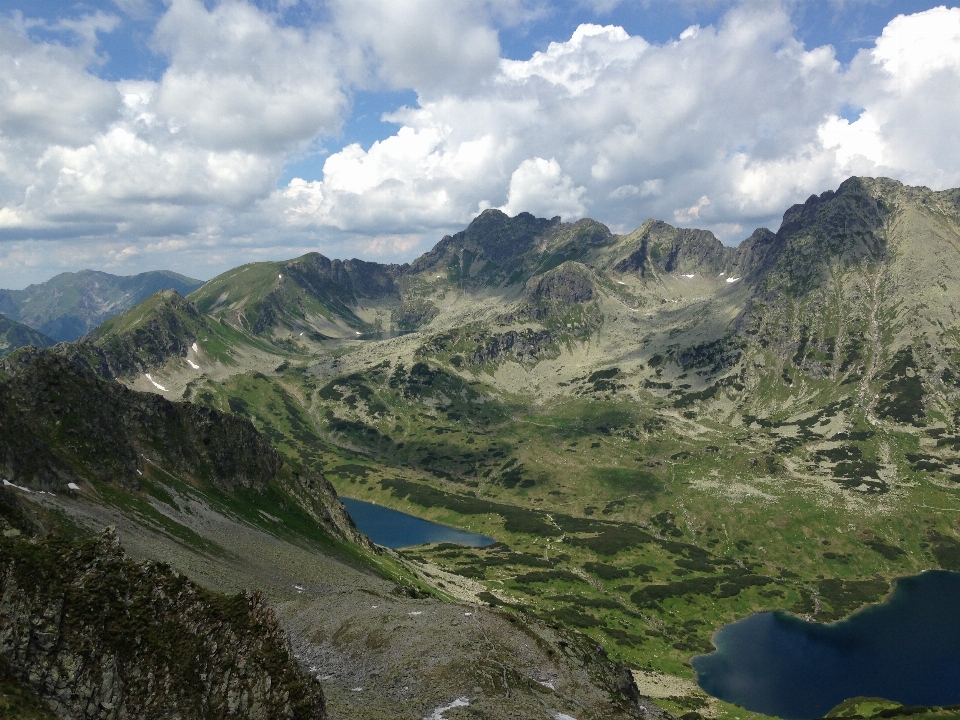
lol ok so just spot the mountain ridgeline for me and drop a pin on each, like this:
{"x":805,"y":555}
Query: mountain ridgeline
{"x":72,"y":304}
{"x":824,"y":247}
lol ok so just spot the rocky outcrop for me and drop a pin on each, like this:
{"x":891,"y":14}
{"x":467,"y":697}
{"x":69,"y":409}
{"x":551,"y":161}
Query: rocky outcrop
{"x":569,"y":284}
{"x":100,"y":637}
{"x":62,"y":424}
{"x":522,"y":346}
{"x":493,"y":236}
{"x":413,"y":314}
{"x":659,"y":247}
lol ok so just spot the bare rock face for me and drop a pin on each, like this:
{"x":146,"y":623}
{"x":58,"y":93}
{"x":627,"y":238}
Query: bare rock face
{"x":569,"y":284}
{"x":103,"y":638}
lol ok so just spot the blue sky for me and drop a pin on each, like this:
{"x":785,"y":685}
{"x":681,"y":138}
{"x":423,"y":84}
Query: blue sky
{"x":137,"y":134}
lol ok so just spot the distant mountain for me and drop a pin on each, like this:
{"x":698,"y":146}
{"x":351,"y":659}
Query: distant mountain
{"x":310,"y":294}
{"x":72,"y":304}
{"x":15,"y":335}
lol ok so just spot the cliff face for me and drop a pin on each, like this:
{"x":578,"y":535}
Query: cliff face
{"x":63,"y":424}
{"x":103,"y":638}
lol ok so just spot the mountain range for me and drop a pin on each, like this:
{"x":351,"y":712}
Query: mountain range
{"x":662,"y":433}
{"x":72,"y":304}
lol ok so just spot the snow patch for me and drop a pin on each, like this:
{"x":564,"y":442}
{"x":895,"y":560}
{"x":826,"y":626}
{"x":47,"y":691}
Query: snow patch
{"x":73,"y":486}
{"x":7,"y":483}
{"x":156,"y":384}
{"x":732,"y":280}
{"x":690,"y":276}
{"x":459,"y":702}
{"x":563,"y":716}
{"x":416,"y":612}
{"x":192,"y":364}
{"x":620,"y":283}
{"x":195,"y":348}
{"x":548,"y":684}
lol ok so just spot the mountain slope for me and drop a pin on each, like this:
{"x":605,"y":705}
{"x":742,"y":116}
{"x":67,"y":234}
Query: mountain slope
{"x":308,"y":294}
{"x":71,"y":304}
{"x":65,"y":426}
{"x":15,"y":335}
{"x":205,"y":493}
{"x":665,"y":433}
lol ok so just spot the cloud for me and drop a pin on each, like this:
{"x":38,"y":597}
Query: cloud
{"x":540,"y":187}
{"x":692,"y":213}
{"x":47,"y":95}
{"x":637,"y":129}
{"x":723,"y":127}
{"x":740,"y":113}
{"x":237,"y":80}
{"x":430,"y":45}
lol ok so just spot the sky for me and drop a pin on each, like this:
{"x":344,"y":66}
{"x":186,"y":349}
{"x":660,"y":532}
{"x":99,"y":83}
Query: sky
{"x":196,"y":135}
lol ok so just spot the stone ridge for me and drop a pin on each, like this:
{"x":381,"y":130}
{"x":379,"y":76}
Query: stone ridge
{"x":103,"y":638}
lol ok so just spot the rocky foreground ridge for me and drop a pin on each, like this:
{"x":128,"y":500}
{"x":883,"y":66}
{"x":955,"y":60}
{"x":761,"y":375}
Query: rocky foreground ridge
{"x":98,"y":636}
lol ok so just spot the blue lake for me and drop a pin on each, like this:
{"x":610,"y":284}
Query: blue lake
{"x":396,"y":529}
{"x":906,"y":649}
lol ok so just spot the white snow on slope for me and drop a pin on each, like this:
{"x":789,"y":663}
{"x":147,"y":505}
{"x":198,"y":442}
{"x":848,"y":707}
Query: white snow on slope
{"x":192,"y":364}
{"x":7,"y":483}
{"x":732,"y":280}
{"x":156,"y":384}
{"x":195,"y":348}
{"x":438,"y":713}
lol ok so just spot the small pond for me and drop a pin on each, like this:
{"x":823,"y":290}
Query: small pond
{"x":906,"y":649}
{"x":396,"y":529}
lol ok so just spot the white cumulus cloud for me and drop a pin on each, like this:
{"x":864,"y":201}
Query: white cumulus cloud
{"x":723,"y":127}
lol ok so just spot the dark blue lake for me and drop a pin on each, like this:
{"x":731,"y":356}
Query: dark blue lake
{"x":396,"y":529}
{"x":906,"y":649}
